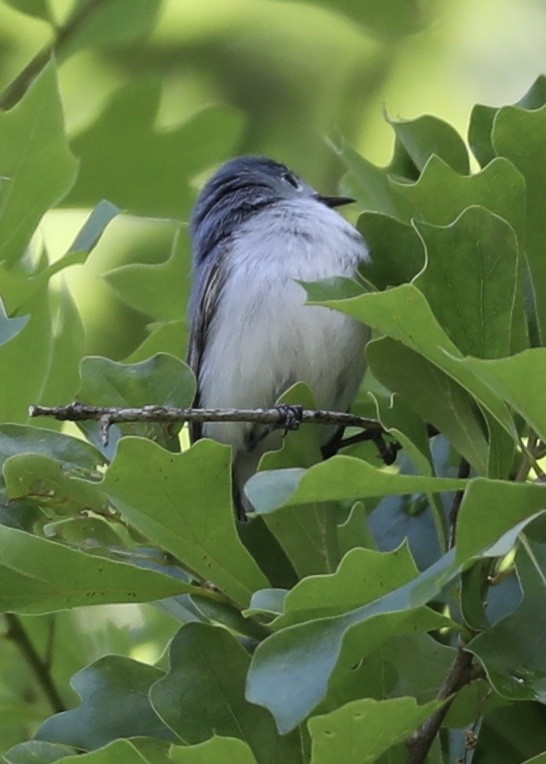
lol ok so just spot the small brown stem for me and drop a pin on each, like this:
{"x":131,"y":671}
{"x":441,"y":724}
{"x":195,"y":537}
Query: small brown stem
{"x":460,"y":674}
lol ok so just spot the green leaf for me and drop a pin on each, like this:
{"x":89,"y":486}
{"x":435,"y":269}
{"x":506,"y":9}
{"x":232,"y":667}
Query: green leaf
{"x":540,"y":759}
{"x":217,"y":750}
{"x":67,"y":349}
{"x":370,"y":185}
{"x":115,"y":704}
{"x":165,"y":337}
{"x":476,"y":293}
{"x":28,"y":357}
{"x":403,"y":314}
{"x":48,"y":481}
{"x":337,"y":479}
{"x":355,"y":733}
{"x":363,"y":575}
{"x":432,"y":394}
{"x":309,"y":536}
{"x":142,"y":170}
{"x":519,"y":381}
{"x":160,"y":290}
{"x":37,"y":752}
{"x":10,"y":327}
{"x":520,"y":136}
{"x":94,"y":227}
{"x":298,"y":662}
{"x":38,"y":164}
{"x":162,"y":380}
{"x":514,"y":650}
{"x":33,"y":577}
{"x":114,"y":23}
{"x":203,"y":695}
{"x":391,"y":18}
{"x":535,"y":98}
{"x":74,"y":453}
{"x":113,"y":753}
{"x":480,"y":524}
{"x":479,"y":133}
{"x":355,"y":531}
{"x":406,"y":427}
{"x":396,"y":250}
{"x":428,"y":135}
{"x":182,"y":502}
{"x":500,"y":188}
{"x":38,"y":8}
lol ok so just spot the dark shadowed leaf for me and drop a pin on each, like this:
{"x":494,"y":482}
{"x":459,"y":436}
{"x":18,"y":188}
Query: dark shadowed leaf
{"x":433,"y":394}
{"x":514,"y":650}
{"x":203,"y":695}
{"x":114,"y":695}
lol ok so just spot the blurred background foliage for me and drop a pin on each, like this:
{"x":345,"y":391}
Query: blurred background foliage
{"x":158,"y":92}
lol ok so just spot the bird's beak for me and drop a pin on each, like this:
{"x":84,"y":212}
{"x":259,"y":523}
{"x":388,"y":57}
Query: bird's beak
{"x":334,"y":201}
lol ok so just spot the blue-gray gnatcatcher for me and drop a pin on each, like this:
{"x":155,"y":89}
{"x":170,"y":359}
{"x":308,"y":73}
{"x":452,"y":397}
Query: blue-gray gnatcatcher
{"x":257,"y":229}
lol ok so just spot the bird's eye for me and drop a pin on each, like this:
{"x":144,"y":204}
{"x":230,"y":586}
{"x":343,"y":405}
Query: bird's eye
{"x":289,"y":178}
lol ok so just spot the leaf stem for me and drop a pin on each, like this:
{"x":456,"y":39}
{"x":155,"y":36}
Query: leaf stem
{"x":40,"y":667}
{"x":19,"y":86}
{"x":461,"y":673}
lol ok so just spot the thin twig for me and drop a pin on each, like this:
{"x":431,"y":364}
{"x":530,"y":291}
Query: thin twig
{"x":277,"y":416}
{"x":18,"y":635}
{"x":460,"y":674}
{"x":18,"y":87}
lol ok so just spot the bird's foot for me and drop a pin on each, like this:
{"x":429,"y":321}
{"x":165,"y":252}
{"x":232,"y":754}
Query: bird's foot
{"x":290,"y":417}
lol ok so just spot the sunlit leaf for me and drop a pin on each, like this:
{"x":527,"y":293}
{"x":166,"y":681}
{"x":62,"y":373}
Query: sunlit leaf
{"x":37,"y":163}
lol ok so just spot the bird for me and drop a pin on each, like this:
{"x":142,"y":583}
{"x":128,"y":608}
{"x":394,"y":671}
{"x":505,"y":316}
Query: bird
{"x":257,"y":229}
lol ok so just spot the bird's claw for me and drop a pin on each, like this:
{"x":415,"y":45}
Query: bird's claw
{"x":290,"y":417}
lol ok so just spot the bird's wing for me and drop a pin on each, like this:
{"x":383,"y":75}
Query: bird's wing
{"x":204,"y":310}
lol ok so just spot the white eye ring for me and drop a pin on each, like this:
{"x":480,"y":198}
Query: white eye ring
{"x":289,"y":178}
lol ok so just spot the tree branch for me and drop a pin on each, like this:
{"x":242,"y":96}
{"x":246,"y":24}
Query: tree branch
{"x":279,"y":416}
{"x":18,"y":87}
{"x":18,"y":635}
{"x":461,"y":673}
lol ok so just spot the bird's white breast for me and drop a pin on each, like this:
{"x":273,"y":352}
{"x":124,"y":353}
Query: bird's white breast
{"x":263,"y":337}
